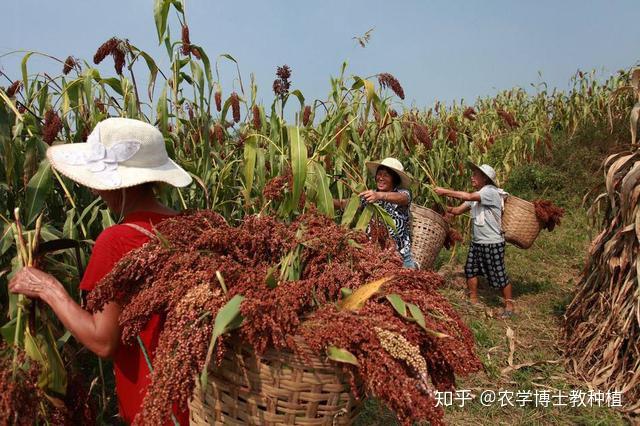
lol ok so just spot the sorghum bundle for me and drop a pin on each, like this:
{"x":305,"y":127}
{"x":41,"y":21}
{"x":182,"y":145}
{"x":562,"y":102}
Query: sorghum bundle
{"x":177,"y":277}
{"x":274,"y":189}
{"x":548,"y":213}
{"x":602,"y":323}
{"x":453,"y":237}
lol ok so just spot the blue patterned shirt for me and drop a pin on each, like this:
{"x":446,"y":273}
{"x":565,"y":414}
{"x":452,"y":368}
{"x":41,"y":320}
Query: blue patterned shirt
{"x":400,"y":216}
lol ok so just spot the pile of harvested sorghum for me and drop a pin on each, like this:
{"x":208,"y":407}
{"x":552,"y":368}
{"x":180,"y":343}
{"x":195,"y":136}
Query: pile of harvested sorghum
{"x":548,"y":213}
{"x":175,"y":276}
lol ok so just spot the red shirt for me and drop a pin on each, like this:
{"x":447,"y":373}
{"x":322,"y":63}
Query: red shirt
{"x":129,"y":364}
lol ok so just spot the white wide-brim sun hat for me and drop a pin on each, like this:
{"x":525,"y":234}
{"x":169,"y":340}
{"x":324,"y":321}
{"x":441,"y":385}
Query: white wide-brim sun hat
{"x":119,"y":153}
{"x":394,"y":165}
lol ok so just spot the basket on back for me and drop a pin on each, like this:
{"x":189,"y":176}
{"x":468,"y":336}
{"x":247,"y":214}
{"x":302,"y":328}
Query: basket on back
{"x":519,"y":222}
{"x":428,"y":233}
{"x":276,"y":388}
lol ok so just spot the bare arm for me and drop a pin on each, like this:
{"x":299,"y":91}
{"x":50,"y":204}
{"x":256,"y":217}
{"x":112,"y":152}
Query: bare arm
{"x":339,"y":204}
{"x":462,"y":208}
{"x":99,"y":331}
{"x":460,"y":195}
{"x":399,"y":198}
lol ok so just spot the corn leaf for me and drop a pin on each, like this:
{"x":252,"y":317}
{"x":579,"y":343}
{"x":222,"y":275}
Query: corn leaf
{"x":350,"y":211}
{"x":341,"y":355}
{"x":324,"y":197}
{"x":359,"y":297}
{"x":398,"y":304}
{"x":160,"y":14}
{"x":414,"y":315}
{"x":386,"y":217}
{"x":298,"y":163}
{"x":250,"y":152}
{"x":365,"y":218}
{"x":38,"y":190}
{"x":227,"y":319}
{"x":7,"y":238}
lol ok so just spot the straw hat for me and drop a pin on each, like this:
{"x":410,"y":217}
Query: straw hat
{"x":486,"y":170}
{"x":394,"y":165}
{"x":119,"y":153}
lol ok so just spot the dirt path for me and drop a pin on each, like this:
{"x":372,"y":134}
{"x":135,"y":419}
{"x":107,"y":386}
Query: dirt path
{"x":522,"y":356}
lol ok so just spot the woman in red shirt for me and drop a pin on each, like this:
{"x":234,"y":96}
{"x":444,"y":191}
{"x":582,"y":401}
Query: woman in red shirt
{"x":120,"y":161}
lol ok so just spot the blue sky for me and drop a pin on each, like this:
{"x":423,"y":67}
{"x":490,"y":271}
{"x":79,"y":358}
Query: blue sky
{"x":438,"y":50}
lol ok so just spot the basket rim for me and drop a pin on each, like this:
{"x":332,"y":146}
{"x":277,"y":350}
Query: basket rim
{"x":418,"y":210}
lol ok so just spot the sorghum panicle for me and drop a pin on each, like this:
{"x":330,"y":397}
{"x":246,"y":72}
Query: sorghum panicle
{"x":218,"y":99}
{"x":306,"y":115}
{"x":51,"y":127}
{"x":387,"y":80}
{"x":257,"y":120}
{"x":186,"y":43}
{"x":235,"y":107}
{"x":14,"y":88}
{"x":105,"y":49}
{"x":69,"y":63}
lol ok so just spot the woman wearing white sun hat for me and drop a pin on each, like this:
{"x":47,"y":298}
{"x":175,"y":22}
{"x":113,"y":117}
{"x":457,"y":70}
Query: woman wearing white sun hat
{"x":393,"y":195}
{"x":486,"y":252}
{"x":120,"y":162}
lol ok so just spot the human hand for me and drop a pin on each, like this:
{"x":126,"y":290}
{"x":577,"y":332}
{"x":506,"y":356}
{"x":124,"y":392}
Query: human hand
{"x":370,"y":196}
{"x":32,"y":282}
{"x":440,"y":190}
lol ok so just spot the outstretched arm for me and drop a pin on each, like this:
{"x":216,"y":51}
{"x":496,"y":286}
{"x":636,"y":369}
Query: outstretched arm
{"x":99,"y":331}
{"x":460,"y":195}
{"x":462,"y":208}
{"x":400,"y":198}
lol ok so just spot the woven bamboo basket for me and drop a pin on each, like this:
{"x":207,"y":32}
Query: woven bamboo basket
{"x":278,"y":388}
{"x":519,"y":222}
{"x":428,"y":232}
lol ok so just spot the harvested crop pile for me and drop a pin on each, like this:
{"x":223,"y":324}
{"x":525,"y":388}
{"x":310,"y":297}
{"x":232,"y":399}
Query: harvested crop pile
{"x":548,"y":214}
{"x":287,"y":272}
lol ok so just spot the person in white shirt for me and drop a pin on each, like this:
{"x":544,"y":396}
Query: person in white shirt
{"x":486,"y":252}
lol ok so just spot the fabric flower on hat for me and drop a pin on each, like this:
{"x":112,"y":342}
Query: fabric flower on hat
{"x":102,"y":161}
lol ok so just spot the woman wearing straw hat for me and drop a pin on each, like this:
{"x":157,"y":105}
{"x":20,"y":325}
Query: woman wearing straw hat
{"x":393,"y":195}
{"x":120,"y":163}
{"x":486,"y":253}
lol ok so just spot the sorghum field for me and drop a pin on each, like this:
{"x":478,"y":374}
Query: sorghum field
{"x":263,"y":190}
